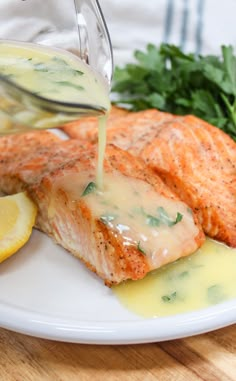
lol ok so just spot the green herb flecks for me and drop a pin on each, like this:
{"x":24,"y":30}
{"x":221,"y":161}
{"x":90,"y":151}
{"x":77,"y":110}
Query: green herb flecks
{"x":152,"y":220}
{"x":41,"y":67}
{"x":183,"y":274}
{"x":78,"y":72}
{"x":140,"y":248}
{"x":169,"y":298}
{"x":162,"y":218}
{"x":215,"y":294}
{"x":63,"y":65}
{"x":179,"y":83}
{"x":60,"y":61}
{"x":106,"y":218}
{"x":165,"y":218}
{"x":70,"y":84}
{"x":179,"y":218}
{"x":90,"y":188}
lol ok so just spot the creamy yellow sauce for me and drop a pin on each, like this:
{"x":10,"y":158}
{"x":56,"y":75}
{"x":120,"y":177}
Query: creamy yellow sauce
{"x":53,"y":74}
{"x":203,"y":279}
{"x":102,"y":134}
{"x":158,"y":227}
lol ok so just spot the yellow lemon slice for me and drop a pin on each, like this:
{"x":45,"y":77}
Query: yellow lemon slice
{"x":17,"y":218}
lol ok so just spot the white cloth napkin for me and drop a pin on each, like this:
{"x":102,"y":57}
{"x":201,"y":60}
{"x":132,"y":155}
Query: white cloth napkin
{"x":196,"y":25}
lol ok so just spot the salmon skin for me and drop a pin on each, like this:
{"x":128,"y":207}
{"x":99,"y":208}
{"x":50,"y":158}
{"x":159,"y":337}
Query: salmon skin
{"x":41,"y":164}
{"x":195,"y":159}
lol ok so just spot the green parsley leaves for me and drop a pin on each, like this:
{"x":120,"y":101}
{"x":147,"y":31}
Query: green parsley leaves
{"x":140,"y":248}
{"x":69,"y":84}
{"x":90,"y":188}
{"x":169,"y":298}
{"x":215,"y":294}
{"x":172,"y":81}
{"x":162,"y":218}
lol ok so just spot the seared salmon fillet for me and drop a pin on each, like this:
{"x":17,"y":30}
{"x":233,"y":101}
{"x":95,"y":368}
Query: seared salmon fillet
{"x":198,"y":162}
{"x":35,"y":154}
{"x":195,"y":159}
{"x":55,"y":177}
{"x":128,"y":130}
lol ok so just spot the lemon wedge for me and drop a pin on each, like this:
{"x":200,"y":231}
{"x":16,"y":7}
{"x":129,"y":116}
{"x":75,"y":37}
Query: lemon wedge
{"x":17,"y":218}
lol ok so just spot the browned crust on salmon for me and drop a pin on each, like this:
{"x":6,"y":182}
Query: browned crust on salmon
{"x":26,"y":158}
{"x":120,"y":262}
{"x":197,"y":161}
{"x":72,"y":223}
{"x":127,"y":131}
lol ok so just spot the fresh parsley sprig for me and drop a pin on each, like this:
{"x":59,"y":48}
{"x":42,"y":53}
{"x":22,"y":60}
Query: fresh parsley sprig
{"x":170,"y":80}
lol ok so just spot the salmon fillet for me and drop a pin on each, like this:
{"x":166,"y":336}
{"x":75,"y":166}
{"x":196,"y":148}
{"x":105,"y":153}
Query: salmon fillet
{"x":45,"y":167}
{"x":128,"y":130}
{"x":33,"y":155}
{"x":198,"y":162}
{"x":195,"y":159}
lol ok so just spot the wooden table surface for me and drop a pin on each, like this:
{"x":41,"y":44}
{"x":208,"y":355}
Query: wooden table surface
{"x":209,"y":357}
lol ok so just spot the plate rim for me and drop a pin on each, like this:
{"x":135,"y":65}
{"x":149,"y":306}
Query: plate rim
{"x":118,"y":332}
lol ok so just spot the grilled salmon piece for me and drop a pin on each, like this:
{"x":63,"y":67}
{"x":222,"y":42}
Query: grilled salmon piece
{"x":87,"y":128}
{"x":133,"y":129}
{"x":136,"y":129}
{"x":32,"y":156}
{"x":195,"y":159}
{"x":198,"y":162}
{"x":56,"y":182}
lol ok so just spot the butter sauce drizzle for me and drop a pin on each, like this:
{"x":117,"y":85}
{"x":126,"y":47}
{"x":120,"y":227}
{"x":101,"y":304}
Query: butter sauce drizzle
{"x":200,"y":280}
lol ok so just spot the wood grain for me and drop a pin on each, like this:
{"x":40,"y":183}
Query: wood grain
{"x":208,"y":357}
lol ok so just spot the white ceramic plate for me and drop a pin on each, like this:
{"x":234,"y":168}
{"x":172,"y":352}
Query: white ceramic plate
{"x":46,"y":292}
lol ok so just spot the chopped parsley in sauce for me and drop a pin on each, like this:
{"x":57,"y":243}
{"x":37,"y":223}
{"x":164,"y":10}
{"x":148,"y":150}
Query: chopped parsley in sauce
{"x":140,"y":248}
{"x":203,"y":279}
{"x":90,"y":188}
